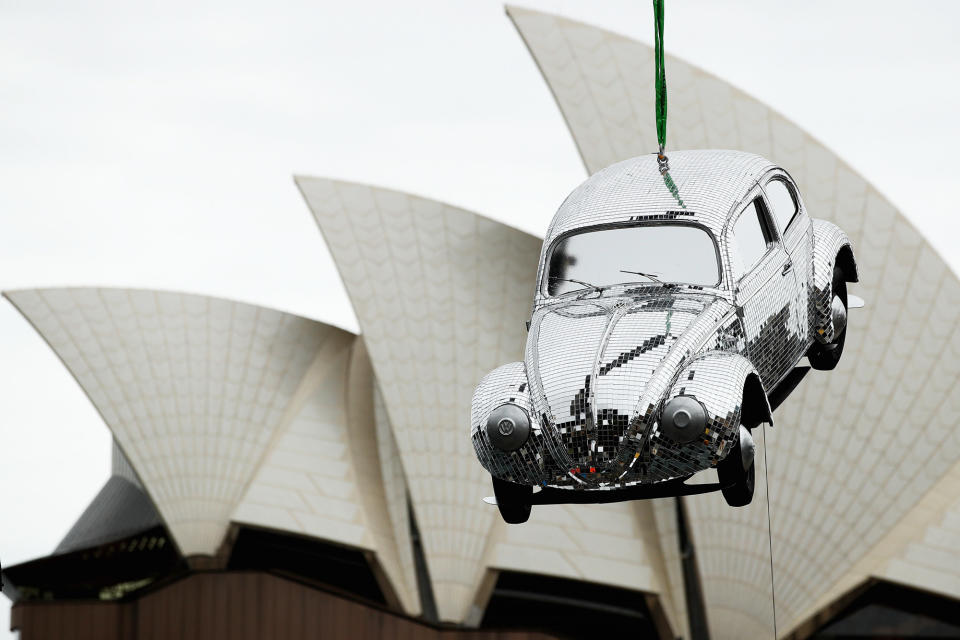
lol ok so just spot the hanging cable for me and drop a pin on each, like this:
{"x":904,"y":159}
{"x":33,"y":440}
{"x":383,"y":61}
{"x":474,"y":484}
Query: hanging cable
{"x":766,"y":477}
{"x":661,"y":84}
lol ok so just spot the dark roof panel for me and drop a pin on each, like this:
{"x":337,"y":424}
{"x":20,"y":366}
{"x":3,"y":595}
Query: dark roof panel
{"x":121,"y":509}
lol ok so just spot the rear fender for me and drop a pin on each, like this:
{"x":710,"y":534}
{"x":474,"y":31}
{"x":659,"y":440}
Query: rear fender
{"x":831,"y":248}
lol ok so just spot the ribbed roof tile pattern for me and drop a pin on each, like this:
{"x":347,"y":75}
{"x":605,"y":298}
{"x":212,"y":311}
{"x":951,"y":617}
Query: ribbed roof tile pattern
{"x":290,"y":490}
{"x":192,"y":388}
{"x":228,"y":411}
{"x":664,"y":513}
{"x":919,"y":551}
{"x":440,"y":294}
{"x":320,"y":476}
{"x":225,"y":409}
{"x":733,"y":556}
{"x":395,"y":491}
{"x":854,"y":448}
{"x":927,"y":541}
{"x":615,"y":544}
{"x":379,"y":480}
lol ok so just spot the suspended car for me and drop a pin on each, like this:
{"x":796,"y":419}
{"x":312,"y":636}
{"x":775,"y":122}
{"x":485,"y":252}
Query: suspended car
{"x":670,"y":314}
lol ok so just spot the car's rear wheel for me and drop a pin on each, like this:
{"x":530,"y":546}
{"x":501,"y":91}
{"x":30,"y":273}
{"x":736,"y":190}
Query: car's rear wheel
{"x":825,"y":357}
{"x":513,"y":500}
{"x":736,"y":481}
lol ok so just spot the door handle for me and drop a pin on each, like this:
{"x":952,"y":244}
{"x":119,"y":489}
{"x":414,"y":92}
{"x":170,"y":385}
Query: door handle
{"x":786,"y":268}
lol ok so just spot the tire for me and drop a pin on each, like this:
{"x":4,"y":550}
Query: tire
{"x":513,"y":501}
{"x":824,"y":357}
{"x":737,"y":483}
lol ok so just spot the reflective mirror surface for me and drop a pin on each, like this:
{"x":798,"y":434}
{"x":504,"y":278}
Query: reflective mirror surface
{"x":680,"y":253}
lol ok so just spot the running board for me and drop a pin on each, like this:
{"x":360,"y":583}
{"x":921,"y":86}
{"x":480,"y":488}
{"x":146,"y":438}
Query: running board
{"x":783,"y":390}
{"x":666,"y":489}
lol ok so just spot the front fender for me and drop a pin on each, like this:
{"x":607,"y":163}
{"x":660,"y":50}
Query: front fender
{"x":507,"y":384}
{"x":728,"y":386}
{"x":831,"y":247}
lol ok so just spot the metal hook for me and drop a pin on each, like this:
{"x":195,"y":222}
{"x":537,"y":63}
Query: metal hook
{"x":662,"y":162}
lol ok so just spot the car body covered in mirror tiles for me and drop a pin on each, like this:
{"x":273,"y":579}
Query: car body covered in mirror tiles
{"x":668,"y":306}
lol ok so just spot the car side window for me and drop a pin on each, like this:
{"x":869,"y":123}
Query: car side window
{"x":750,"y":238}
{"x":783,"y":202}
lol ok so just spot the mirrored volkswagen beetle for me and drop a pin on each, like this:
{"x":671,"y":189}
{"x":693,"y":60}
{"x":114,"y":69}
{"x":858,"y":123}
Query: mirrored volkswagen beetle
{"x":670,"y":315}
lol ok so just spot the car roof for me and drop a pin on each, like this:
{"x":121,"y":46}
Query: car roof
{"x":702,"y":186}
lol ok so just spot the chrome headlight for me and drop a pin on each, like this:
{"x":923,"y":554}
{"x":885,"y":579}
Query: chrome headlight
{"x":683,"y":419}
{"x":508,"y":427}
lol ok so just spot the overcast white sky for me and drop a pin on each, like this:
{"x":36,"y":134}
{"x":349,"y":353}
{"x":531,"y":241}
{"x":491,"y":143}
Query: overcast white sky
{"x":154,"y":146}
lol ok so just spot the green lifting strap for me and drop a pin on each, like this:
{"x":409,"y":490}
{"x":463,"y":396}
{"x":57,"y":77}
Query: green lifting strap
{"x":661,"y":80}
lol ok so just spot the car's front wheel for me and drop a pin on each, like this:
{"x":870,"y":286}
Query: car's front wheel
{"x":824,"y":357}
{"x":513,"y":500}
{"x":737,"y":478}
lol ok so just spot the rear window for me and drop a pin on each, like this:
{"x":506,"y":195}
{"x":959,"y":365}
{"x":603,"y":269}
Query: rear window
{"x":782,"y":202}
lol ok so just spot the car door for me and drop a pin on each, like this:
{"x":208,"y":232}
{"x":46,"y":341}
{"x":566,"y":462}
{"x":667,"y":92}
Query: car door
{"x":764,"y":289}
{"x":787,"y":210}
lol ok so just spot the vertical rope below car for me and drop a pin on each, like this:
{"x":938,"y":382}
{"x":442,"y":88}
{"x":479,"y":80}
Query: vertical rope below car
{"x":766,"y":476}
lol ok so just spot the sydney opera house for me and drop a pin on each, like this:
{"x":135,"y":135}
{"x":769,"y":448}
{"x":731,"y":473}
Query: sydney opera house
{"x":274,"y":476}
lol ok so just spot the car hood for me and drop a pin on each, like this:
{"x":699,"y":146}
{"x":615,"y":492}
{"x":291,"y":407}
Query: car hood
{"x":598,"y":367}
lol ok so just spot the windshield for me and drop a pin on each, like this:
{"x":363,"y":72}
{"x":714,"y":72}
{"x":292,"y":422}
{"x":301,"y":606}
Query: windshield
{"x":668,"y":253}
